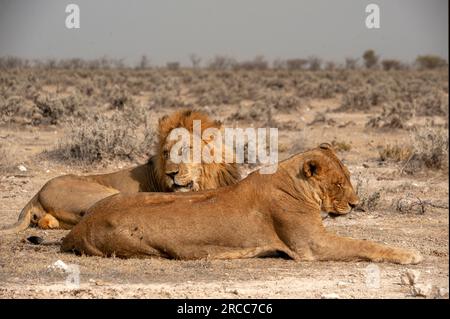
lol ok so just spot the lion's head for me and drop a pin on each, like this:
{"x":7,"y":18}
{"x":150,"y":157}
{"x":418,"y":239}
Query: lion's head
{"x":184,"y":177}
{"x":329,"y":179}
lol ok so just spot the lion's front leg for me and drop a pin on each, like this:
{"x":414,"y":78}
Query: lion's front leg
{"x":332,"y":247}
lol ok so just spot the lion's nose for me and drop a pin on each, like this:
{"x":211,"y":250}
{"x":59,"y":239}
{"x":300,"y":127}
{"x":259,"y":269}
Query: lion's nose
{"x":172,"y":174}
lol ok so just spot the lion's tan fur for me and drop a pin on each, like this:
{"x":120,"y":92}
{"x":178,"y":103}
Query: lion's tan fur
{"x":63,"y":201}
{"x":261,"y":215}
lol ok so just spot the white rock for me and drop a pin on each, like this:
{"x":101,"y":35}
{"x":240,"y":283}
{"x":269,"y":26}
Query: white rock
{"x":59,"y":264}
{"x":421,"y":290}
{"x":330,"y":296}
{"x":22,"y":168}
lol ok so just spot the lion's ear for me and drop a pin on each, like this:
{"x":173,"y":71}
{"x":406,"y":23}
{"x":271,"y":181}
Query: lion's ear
{"x":217,"y":123}
{"x":162,"y":119}
{"x":326,"y":146}
{"x":311,"y":168}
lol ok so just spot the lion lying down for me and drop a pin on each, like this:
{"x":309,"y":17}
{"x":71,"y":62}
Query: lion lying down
{"x":63,"y":201}
{"x":260,"y":216}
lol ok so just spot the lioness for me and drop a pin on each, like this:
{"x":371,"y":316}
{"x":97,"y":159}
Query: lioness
{"x":261,"y":215}
{"x":63,"y":201}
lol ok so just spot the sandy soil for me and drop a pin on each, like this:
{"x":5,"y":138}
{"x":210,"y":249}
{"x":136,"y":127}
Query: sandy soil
{"x":26,"y":270}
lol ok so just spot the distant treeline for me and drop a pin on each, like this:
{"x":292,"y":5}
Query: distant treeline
{"x":369,"y":60}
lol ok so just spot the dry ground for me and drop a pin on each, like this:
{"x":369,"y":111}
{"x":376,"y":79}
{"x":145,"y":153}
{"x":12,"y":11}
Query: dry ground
{"x":35,"y":109}
{"x":25,"y":270}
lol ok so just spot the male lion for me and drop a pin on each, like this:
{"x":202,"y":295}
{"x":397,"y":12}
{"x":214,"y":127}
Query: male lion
{"x":63,"y":201}
{"x":261,"y":215}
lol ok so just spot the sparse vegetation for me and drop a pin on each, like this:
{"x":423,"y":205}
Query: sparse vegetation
{"x":60,"y":92}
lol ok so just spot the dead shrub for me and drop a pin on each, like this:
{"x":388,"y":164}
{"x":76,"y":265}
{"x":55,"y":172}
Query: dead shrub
{"x":258,"y":63}
{"x":296,"y":64}
{"x":119,"y":97}
{"x":164,"y":99}
{"x":323,"y":89}
{"x":432,"y":103}
{"x":368,"y":201}
{"x":322,"y":118}
{"x":102,"y":139}
{"x":430,"y":62}
{"x":283,"y":102}
{"x":393,"y":116}
{"x":410,"y":204}
{"x":220,"y":62}
{"x":173,"y":66}
{"x":430,"y":148}
{"x":6,"y":159}
{"x":258,"y":111}
{"x":52,"y":110}
{"x":15,"y":109}
{"x":391,"y":64}
{"x":364,"y":98}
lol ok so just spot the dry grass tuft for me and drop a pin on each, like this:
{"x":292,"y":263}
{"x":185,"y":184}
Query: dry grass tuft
{"x":395,"y":153}
{"x":428,"y":149}
{"x":341,"y":146}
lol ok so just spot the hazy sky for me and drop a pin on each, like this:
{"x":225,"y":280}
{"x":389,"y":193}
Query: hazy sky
{"x":168,"y":30}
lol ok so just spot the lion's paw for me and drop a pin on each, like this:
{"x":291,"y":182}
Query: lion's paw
{"x":48,"y":222}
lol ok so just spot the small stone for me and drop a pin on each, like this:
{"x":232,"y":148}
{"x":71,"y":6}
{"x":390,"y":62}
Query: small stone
{"x":60,"y":264}
{"x":421,"y":290}
{"x":443,"y":292}
{"x":35,"y":240}
{"x":330,"y":296}
{"x":98,"y":282}
{"x":22,"y":168}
